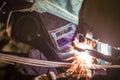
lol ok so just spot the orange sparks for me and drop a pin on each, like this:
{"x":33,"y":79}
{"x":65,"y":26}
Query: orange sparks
{"x":82,"y":61}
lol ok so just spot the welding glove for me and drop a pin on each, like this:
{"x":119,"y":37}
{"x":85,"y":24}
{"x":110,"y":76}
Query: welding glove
{"x":50,"y":76}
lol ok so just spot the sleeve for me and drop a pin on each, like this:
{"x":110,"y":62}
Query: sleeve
{"x":33,"y":70}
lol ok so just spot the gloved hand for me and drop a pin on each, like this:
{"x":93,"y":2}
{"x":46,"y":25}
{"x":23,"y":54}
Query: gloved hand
{"x":50,"y":76}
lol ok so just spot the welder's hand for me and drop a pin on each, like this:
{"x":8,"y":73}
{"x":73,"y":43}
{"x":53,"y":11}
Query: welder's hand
{"x":90,"y":42}
{"x":81,"y":38}
{"x":50,"y":76}
{"x":42,"y":77}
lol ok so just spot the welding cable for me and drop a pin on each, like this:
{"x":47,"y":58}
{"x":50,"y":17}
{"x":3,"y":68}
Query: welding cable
{"x":42,"y":63}
{"x":2,"y":6}
{"x":34,"y":62}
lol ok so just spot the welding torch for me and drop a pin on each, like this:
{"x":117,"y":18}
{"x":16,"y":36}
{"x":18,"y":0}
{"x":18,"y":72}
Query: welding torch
{"x":97,"y":54}
{"x":93,"y":52}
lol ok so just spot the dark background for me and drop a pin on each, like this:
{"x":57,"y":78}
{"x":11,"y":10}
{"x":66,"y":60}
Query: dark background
{"x":104,"y":17}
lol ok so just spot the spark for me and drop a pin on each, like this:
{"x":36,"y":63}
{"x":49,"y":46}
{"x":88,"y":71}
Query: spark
{"x":82,"y":61}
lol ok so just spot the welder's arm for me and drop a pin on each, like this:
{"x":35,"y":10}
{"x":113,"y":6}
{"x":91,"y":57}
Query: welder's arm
{"x":50,"y":76}
{"x":104,"y":57}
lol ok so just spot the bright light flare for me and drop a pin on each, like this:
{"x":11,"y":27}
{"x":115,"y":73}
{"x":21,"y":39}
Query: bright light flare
{"x":82,"y":61}
{"x":84,"y":56}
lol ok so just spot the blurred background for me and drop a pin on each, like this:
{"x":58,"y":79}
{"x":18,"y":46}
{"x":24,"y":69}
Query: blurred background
{"x":102,"y":15}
